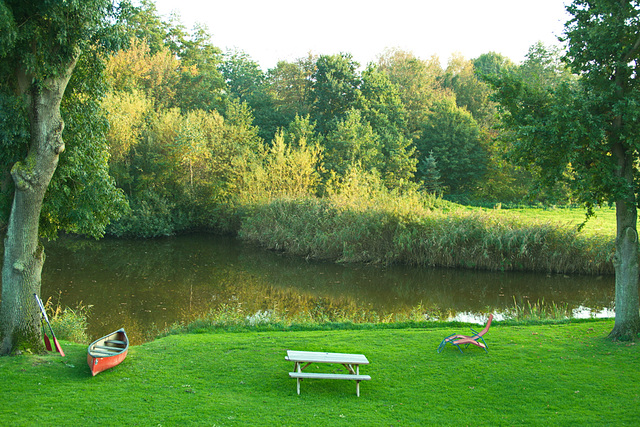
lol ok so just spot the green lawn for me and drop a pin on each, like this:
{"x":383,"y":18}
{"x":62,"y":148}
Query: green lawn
{"x":603,"y":223}
{"x":552,"y":374}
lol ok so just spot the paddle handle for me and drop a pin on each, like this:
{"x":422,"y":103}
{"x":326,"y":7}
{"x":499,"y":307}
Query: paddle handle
{"x":44,"y":313}
{"x":42,"y":310}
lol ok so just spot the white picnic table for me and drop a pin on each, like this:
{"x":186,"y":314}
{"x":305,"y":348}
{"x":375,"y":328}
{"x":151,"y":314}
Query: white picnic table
{"x":351,"y":362}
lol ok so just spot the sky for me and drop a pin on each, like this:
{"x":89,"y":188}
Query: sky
{"x":273,"y":30}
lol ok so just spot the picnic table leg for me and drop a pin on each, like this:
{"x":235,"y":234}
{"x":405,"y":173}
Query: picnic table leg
{"x":297,"y":368}
{"x":358,"y":382}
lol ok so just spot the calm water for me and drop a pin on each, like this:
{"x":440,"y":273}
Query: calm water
{"x":142,"y":283}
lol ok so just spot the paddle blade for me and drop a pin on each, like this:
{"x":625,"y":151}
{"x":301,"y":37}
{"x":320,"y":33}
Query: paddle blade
{"x":58,"y":348}
{"x":47,"y":343}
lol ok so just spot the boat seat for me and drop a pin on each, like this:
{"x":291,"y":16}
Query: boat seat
{"x":107,"y":348}
{"x":116,"y":342}
{"x":100,"y":353}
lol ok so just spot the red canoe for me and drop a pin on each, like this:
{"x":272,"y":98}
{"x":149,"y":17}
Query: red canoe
{"x":108,"y":351}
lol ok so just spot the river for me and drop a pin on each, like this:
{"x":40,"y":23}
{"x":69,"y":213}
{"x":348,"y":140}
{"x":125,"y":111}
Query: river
{"x":146,"y":285}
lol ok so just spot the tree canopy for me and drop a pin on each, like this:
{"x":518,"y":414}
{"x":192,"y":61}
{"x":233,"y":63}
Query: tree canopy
{"x":584,"y":129}
{"x":42,"y":44}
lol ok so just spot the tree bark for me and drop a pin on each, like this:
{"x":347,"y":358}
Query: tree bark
{"x":625,"y":261}
{"x":23,"y":252}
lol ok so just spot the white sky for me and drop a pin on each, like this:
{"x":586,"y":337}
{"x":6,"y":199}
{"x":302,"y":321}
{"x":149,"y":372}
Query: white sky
{"x":272,"y":30}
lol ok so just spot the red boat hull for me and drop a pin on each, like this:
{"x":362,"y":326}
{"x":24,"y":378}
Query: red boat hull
{"x":107,"y":352}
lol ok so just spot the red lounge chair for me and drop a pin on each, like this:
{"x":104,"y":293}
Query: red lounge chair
{"x":475,"y":339}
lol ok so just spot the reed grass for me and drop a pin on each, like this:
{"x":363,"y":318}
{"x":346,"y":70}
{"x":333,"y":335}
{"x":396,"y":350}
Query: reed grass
{"x":414,"y":231}
{"x":69,"y":324}
{"x":538,"y":311}
{"x":235,"y":317}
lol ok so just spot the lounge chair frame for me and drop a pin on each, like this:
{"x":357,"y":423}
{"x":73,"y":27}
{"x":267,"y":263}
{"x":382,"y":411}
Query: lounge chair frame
{"x":475,"y":339}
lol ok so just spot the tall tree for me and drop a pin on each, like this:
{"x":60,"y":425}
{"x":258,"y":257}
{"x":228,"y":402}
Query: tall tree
{"x":353,"y":143}
{"x":382,"y":107}
{"x":419,"y":82}
{"x":40,"y":45}
{"x":451,"y":136}
{"x":471,"y":93}
{"x":336,"y":89}
{"x":289,"y":84}
{"x":589,"y":130}
{"x":604,"y":47}
{"x":246,"y":83}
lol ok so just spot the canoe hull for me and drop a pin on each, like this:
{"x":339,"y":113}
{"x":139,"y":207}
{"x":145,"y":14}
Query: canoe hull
{"x":107,"y":352}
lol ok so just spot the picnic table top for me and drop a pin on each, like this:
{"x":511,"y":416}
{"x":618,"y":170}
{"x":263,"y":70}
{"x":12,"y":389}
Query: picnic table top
{"x":322,"y":357}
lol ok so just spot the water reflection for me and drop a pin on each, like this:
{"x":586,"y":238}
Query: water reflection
{"x":138,"y":284}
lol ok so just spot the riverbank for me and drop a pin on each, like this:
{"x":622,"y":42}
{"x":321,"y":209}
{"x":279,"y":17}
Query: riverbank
{"x":428,"y":232}
{"x":545,"y":374}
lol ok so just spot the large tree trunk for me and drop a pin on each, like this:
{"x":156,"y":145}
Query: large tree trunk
{"x":627,"y":324}
{"x":625,"y":262}
{"x":23,"y":253}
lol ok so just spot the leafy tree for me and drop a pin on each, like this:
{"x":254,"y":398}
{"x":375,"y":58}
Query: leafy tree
{"x":302,"y":129}
{"x":82,"y":197}
{"x":471,"y":93}
{"x":283,"y":169}
{"x":289,"y":85}
{"x":452,"y":136}
{"x":40,"y":46}
{"x":491,"y":64}
{"x":127,"y":113}
{"x":335,"y":90}
{"x":506,"y":180}
{"x":353,"y":143}
{"x":586,"y":132}
{"x":201,"y":84}
{"x":419,"y":84}
{"x":246,"y":83}
{"x":382,"y":108}
{"x":144,"y":24}
{"x":544,"y":67}
{"x":136,"y":69}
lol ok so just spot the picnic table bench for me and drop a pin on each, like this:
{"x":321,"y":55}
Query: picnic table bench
{"x":351,"y":362}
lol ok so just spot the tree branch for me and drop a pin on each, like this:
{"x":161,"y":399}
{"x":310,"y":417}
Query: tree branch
{"x":634,"y":50}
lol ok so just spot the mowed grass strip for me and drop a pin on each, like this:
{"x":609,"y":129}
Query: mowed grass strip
{"x":551,"y":374}
{"x":603,"y":223}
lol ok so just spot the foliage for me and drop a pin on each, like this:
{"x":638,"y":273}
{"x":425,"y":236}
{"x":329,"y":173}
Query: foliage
{"x":452,"y":136}
{"x":361,"y":221}
{"x":69,"y":324}
{"x":289,"y":85}
{"x":418,"y":82}
{"x":471,"y":92}
{"x":430,"y":173}
{"x":583,"y":131}
{"x":352,"y":143}
{"x":245,"y":82}
{"x":392,"y":119}
{"x":335,"y":90}
{"x":185,"y":166}
{"x":45,"y":36}
{"x":282,"y":170}
{"x":82,"y":197}
{"x":73,"y":202}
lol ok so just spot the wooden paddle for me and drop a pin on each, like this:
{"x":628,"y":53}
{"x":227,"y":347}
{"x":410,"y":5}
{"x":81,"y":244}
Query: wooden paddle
{"x":44,"y":313}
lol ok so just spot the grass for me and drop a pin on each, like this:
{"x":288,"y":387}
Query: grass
{"x":537,"y":374}
{"x":602,"y":224}
{"x":402,"y":231}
